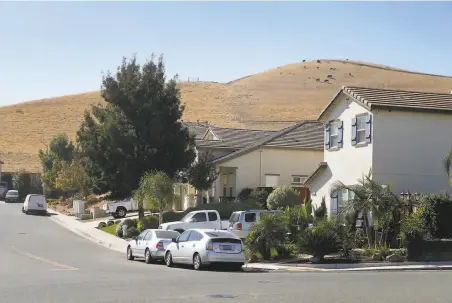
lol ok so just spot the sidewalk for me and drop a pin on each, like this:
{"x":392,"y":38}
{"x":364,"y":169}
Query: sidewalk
{"x":384,"y":266}
{"x":88,"y":231}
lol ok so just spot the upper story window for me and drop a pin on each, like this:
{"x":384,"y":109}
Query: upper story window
{"x":334,"y":134}
{"x":361,"y":129}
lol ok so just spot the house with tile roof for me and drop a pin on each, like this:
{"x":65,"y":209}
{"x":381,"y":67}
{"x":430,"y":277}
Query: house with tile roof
{"x":260,"y":158}
{"x":401,"y":136}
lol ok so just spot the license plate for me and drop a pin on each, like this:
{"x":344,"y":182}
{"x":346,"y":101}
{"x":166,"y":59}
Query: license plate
{"x":226,"y":247}
{"x":40,"y":205}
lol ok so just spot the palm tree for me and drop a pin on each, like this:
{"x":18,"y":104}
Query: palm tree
{"x":369,"y":197}
{"x":448,"y":164}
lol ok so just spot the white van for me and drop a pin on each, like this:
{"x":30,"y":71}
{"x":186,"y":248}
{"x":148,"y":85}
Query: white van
{"x":35,"y":204}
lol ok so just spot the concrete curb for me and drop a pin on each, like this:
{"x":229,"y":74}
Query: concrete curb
{"x":274,"y":267}
{"x":104,"y":239}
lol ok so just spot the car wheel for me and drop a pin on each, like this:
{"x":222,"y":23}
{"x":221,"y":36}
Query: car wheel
{"x":197,"y":263}
{"x":129,"y":254}
{"x":121,"y":212}
{"x":23,"y":209}
{"x":147,"y":256}
{"x":169,"y":259}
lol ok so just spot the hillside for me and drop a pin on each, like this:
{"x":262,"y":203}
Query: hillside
{"x":269,"y":100}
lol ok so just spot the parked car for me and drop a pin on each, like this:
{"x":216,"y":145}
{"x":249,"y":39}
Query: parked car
{"x":203,"y":219}
{"x":12,"y":196}
{"x":119,"y":209}
{"x":205,"y":247}
{"x":241,"y":222}
{"x":3,"y":189}
{"x":35,"y":204}
{"x":150,"y":244}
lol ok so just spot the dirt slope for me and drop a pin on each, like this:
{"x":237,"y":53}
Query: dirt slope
{"x":269,"y":100}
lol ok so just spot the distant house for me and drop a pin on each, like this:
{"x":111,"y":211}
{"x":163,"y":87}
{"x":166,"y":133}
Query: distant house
{"x":402,"y":136}
{"x":258,"y":158}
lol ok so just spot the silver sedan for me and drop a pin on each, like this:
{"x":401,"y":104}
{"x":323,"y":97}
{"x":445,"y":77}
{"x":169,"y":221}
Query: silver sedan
{"x":150,"y":244}
{"x":204,"y":247}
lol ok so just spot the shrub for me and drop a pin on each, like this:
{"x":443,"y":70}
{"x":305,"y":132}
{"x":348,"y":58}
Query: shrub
{"x":117,"y":221}
{"x":171,"y":216}
{"x":283,"y":196}
{"x":320,"y":213}
{"x":92,"y":199}
{"x":296,"y":220}
{"x":130,"y":223}
{"x":436,"y":214}
{"x":148,"y":222}
{"x":110,"y":222}
{"x":412,"y":228}
{"x":129,"y":232}
{"x":269,"y":232}
{"x":286,"y":250}
{"x":319,"y":241}
{"x":118,"y":231}
{"x":261,"y":194}
{"x":245,"y":194}
{"x":102,"y":225}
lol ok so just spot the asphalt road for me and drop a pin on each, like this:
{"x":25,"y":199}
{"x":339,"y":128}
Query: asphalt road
{"x":40,"y":261}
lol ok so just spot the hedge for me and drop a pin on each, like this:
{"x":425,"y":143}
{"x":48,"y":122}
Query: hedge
{"x":429,"y":250}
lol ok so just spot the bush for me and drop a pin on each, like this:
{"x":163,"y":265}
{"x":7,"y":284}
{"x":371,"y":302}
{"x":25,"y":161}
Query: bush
{"x":102,"y":225}
{"x":245,"y":194}
{"x":283,"y":196}
{"x":171,"y":216}
{"x":319,"y":241}
{"x":296,"y":220}
{"x":117,"y":221}
{"x":92,"y":199}
{"x":269,"y":232}
{"x":118,"y":231}
{"x":412,"y":228}
{"x":261,"y":194}
{"x":286,"y":250}
{"x":130,"y":223}
{"x":148,"y":222}
{"x":436,"y":214}
{"x":430,"y":250}
{"x":110,"y":222}
{"x":129,"y":232}
{"x":320,"y":213}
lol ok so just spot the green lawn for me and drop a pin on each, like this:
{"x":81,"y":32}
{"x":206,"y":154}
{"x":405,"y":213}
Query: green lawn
{"x":110,"y":229}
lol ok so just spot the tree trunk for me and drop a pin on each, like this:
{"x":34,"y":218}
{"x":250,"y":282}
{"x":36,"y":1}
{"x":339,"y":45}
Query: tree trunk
{"x":199,"y":199}
{"x":160,"y":215}
{"x":368,"y":229}
{"x":140,"y":210}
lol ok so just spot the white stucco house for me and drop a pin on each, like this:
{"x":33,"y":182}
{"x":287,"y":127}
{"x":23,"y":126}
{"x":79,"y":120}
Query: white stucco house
{"x":402,"y":136}
{"x":259,"y":158}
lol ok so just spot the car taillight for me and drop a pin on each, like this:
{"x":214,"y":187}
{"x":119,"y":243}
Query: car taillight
{"x":159,"y":245}
{"x":239,"y":226}
{"x":209,"y":245}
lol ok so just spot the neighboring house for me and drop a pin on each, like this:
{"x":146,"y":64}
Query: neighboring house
{"x":257,"y":158}
{"x":402,"y":136}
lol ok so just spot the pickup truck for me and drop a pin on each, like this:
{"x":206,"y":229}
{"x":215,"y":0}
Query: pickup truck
{"x":203,"y":219}
{"x":119,"y":209}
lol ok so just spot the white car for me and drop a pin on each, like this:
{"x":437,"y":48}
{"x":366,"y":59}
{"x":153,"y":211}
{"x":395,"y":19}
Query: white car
{"x":201,"y":219}
{"x":205,"y":247}
{"x":241,"y":222}
{"x":150,"y":244}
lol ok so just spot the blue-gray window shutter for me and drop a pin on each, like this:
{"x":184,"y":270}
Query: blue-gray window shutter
{"x":340,"y":135}
{"x":327,"y":136}
{"x":354,"y":130}
{"x":368,"y":128}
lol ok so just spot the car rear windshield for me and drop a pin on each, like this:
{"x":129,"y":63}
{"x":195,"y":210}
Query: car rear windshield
{"x":234,"y":217}
{"x":12,"y":192}
{"x":219,"y":234}
{"x":166,"y":234}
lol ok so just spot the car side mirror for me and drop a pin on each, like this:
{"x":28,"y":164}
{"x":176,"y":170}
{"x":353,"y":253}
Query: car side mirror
{"x":174,"y":240}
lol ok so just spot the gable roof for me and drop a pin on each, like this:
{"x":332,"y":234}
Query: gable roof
{"x":233,"y":138}
{"x":319,"y":169}
{"x":199,"y":129}
{"x":372,"y":98}
{"x":305,"y":134}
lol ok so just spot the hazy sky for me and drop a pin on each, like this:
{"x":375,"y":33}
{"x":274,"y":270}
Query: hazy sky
{"x":55,"y":48}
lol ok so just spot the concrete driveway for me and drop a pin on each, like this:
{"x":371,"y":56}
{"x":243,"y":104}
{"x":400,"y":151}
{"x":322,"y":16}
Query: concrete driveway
{"x":42,"y":262}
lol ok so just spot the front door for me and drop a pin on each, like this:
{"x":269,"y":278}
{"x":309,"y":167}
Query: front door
{"x":180,"y":245}
{"x":141,"y":244}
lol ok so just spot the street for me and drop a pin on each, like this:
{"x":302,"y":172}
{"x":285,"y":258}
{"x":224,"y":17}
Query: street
{"x":40,"y":261}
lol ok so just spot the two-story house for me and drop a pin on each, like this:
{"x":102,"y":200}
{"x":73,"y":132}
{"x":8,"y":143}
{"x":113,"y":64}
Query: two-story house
{"x":258,"y":158}
{"x":402,"y":136}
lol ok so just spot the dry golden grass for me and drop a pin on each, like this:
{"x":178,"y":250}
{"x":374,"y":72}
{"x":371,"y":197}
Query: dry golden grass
{"x":269,"y":100}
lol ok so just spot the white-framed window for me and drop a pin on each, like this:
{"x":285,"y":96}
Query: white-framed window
{"x":361,"y":129}
{"x":340,"y":199}
{"x":334,"y":134}
{"x":271,"y":180}
{"x":298,"y":179}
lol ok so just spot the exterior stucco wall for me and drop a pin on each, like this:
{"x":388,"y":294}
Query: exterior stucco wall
{"x":252,"y":167}
{"x":346,"y":164}
{"x":410,"y":148}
